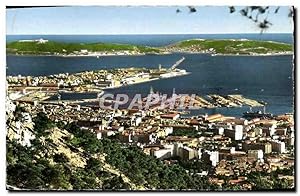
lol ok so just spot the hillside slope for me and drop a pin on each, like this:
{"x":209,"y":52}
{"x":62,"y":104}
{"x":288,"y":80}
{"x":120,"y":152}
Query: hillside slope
{"x":65,"y":157}
{"x":228,"y":46}
{"x":50,"y":162}
{"x":60,"y":48}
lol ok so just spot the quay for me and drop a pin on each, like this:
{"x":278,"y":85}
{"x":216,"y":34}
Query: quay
{"x":93,"y":81}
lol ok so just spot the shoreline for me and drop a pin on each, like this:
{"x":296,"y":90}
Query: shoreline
{"x":275,"y":54}
{"x":158,"y":54}
{"x":89,"y":55}
{"x":221,"y":54}
{"x":150,"y":80}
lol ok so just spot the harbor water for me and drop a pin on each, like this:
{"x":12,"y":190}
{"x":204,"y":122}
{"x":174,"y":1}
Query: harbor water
{"x":264,"y":78}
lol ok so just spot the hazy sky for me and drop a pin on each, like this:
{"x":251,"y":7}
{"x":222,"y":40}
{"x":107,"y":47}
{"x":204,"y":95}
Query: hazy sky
{"x":137,"y":20}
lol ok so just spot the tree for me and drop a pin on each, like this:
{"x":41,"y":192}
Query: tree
{"x":257,"y":14}
{"x":60,"y":158}
{"x":41,"y":124}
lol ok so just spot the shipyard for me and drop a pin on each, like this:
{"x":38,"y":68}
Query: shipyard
{"x":93,"y":81}
{"x":42,"y":88}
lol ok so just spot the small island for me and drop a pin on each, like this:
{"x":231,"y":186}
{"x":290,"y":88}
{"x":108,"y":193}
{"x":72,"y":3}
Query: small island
{"x":214,"y":47}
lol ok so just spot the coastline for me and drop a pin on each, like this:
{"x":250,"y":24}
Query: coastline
{"x":275,"y":54}
{"x":164,"y":53}
{"x":145,"y":81}
{"x":221,"y":54}
{"x":82,"y":55}
{"x":213,"y":47}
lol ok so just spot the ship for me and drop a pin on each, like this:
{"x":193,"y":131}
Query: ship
{"x":257,"y":114}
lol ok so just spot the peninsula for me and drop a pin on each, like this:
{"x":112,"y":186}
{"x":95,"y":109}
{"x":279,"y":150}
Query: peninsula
{"x":231,"y":47}
{"x":214,"y":47}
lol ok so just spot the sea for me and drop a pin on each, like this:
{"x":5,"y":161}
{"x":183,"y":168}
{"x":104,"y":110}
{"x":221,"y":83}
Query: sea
{"x":264,"y":78}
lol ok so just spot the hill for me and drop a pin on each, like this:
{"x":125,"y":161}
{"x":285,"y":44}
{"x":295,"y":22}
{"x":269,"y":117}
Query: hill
{"x":43,"y":155}
{"x":234,"y":47}
{"x":226,"y":47}
{"x":64,"y":157}
{"x":37,"y":47}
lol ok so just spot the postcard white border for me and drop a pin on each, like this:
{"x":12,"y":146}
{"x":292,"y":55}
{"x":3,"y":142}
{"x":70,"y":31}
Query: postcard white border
{"x":4,"y":3}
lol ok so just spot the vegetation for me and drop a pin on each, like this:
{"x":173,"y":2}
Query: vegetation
{"x":262,"y":180}
{"x":42,"y":124}
{"x":42,"y":167}
{"x":51,"y":47}
{"x":265,"y":181}
{"x":50,"y":170}
{"x":257,"y":14}
{"x":142,"y":169}
{"x":231,"y":46}
{"x":260,"y":14}
{"x":206,"y":46}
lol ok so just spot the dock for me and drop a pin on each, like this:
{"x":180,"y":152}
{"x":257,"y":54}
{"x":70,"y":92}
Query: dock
{"x":70,"y":101}
{"x":233,"y":101}
{"x":177,"y":63}
{"x":222,"y":101}
{"x":239,"y":99}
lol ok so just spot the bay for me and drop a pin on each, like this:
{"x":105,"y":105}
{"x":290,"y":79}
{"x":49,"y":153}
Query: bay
{"x":265,"y":78}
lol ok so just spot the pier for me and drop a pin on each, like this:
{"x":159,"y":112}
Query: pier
{"x":177,"y":63}
{"x":70,"y":101}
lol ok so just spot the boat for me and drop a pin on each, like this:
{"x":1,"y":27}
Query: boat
{"x":257,"y":114}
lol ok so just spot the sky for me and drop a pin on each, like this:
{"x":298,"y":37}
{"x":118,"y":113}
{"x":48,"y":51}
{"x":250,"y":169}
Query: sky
{"x":137,"y":20}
